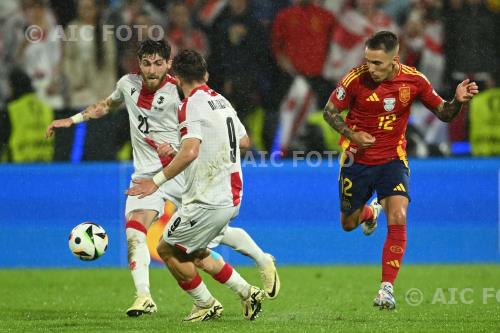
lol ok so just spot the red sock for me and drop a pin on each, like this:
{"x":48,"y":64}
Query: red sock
{"x":191,"y":284}
{"x":366,"y":214}
{"x":392,"y":256}
{"x":224,"y":274}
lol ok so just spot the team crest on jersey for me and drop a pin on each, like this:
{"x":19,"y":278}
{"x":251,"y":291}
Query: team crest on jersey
{"x":404,"y":94}
{"x":389,"y":104}
{"x":340,"y":93}
{"x":159,"y":103}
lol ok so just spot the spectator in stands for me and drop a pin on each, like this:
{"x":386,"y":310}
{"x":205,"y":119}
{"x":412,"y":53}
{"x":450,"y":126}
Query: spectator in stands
{"x":23,"y":122}
{"x":300,"y":40}
{"x":89,"y":63}
{"x":41,"y":56}
{"x":477,"y":46}
{"x":471,"y":53}
{"x":239,"y":53}
{"x":11,"y":35}
{"x":181,"y":34}
{"x":354,"y":26}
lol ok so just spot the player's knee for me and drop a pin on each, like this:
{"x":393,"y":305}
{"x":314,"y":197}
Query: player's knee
{"x":397,"y":218}
{"x":200,"y":259}
{"x":349,"y":223}
{"x":348,"y":227}
{"x":164,"y":250}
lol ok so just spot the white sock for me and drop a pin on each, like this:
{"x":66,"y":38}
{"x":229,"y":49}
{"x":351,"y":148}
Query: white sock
{"x":241,"y":241}
{"x":139,"y":260}
{"x":201,"y":295}
{"x":237,"y":284}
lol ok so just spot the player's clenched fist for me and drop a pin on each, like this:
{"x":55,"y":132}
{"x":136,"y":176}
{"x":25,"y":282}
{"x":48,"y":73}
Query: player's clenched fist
{"x":363,"y":139}
{"x":166,"y":149}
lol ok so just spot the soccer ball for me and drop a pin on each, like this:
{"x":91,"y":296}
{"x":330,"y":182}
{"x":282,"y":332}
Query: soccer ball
{"x":88,"y":241}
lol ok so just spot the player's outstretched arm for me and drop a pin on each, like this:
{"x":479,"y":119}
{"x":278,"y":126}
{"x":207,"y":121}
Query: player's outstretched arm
{"x":331,"y":114}
{"x":95,"y":111}
{"x":447,"y":111}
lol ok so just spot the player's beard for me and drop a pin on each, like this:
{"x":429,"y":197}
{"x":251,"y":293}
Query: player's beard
{"x":153,"y":85}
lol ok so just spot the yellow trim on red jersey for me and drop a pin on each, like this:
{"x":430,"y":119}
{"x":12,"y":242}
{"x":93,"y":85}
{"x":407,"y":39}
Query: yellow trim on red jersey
{"x":345,"y":145}
{"x":412,"y":71}
{"x":347,"y":83}
{"x":354,"y":71}
{"x":402,"y":154}
{"x":354,"y":74}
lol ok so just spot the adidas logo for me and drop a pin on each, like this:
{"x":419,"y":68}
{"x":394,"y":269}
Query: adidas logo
{"x":399,"y":188}
{"x":393,"y":263}
{"x":373,"y":98}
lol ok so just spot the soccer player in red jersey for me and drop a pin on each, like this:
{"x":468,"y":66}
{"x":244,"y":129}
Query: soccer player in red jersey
{"x":378,"y":96}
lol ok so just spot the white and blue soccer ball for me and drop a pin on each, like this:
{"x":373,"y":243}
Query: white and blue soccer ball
{"x":88,"y":241}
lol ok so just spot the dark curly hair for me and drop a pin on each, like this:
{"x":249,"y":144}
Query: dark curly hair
{"x":151,"y":47}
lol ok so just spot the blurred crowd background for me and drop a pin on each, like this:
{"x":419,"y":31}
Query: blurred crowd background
{"x":276,"y":61}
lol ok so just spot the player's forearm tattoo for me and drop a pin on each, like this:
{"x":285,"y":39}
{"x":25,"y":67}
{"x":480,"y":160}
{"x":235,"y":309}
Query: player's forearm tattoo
{"x":97,"y":110}
{"x":447,"y":111}
{"x":332,"y":116}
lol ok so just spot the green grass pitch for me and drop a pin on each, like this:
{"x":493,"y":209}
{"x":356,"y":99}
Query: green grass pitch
{"x":312,"y":299}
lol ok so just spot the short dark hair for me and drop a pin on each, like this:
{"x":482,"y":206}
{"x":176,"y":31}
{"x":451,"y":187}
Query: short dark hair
{"x":152,"y":47}
{"x":383,"y":40}
{"x":190,"y":65}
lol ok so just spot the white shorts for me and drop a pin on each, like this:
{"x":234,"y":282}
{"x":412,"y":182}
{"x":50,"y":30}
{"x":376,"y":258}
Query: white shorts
{"x":171,"y":190}
{"x":192,"y":228}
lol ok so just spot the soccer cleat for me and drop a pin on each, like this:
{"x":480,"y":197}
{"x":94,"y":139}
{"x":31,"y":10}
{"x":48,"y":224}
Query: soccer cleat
{"x":269,"y":277}
{"x":142,"y":305}
{"x":368,"y":227}
{"x":385,"y":298}
{"x":252,"y":305}
{"x":199,"y":313}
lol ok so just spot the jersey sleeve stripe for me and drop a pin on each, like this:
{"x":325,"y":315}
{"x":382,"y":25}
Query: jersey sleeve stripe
{"x":416,"y":73}
{"x":348,"y":82}
{"x":182,"y":112}
{"x":353,"y":73}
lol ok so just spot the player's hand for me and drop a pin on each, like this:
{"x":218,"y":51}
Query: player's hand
{"x":362,"y":139}
{"x":465,"y":91}
{"x":60,"y":123}
{"x":166,"y":149}
{"x":142,"y":188}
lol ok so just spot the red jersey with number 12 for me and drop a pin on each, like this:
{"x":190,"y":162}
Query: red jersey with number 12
{"x":382,"y":110}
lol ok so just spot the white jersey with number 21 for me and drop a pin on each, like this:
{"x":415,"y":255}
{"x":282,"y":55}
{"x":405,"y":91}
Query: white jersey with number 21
{"x":153,"y":120}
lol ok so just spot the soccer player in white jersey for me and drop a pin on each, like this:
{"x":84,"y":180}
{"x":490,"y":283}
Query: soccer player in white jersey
{"x":152,"y":100}
{"x":209,"y":156}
